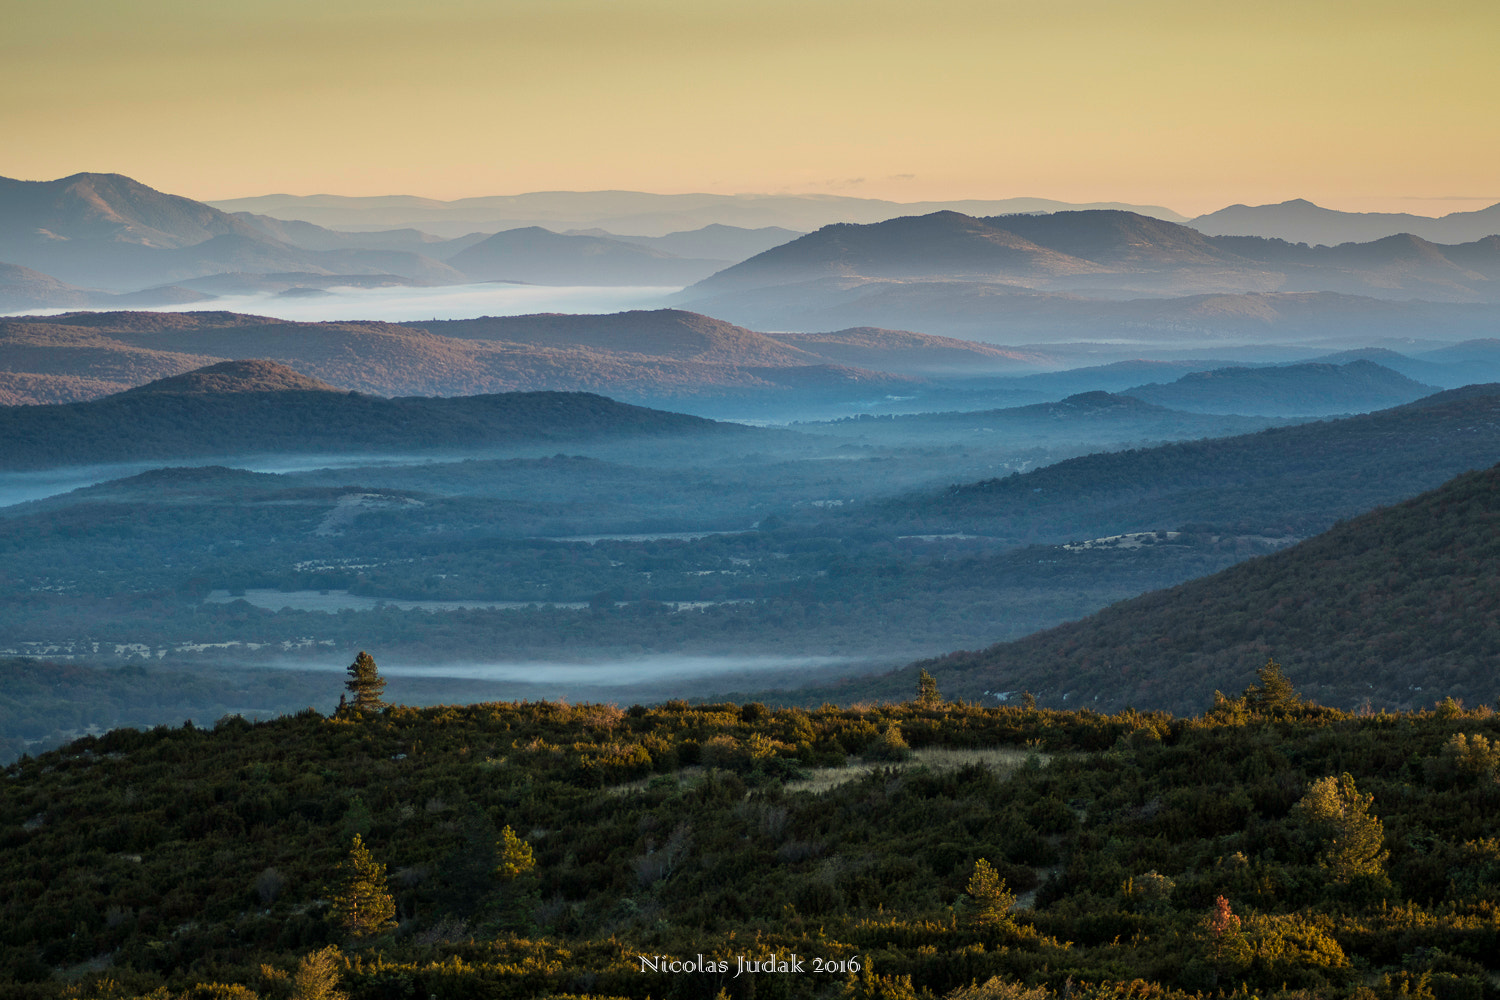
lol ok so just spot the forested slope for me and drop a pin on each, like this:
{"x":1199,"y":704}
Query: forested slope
{"x":1399,"y":606}
{"x":163,"y":423}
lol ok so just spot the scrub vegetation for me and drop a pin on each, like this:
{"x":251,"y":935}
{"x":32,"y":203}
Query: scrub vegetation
{"x":1267,"y":847}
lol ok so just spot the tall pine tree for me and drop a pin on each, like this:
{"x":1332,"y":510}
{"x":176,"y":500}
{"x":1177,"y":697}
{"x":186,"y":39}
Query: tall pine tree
{"x":366,"y":684}
{"x":362,"y":904}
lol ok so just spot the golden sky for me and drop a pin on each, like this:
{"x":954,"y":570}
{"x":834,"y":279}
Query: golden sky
{"x":1365,"y":106}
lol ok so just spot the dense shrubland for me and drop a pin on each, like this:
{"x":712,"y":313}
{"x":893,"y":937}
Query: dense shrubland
{"x":1267,"y":847}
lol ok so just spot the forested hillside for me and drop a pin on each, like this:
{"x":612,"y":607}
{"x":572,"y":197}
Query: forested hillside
{"x":1392,"y":607}
{"x":177,"y":418}
{"x":1266,"y":848}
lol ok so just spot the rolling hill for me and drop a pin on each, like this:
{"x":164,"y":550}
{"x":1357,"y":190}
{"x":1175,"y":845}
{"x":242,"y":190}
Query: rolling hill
{"x":1312,"y":389}
{"x":1093,"y":419}
{"x":262,"y":407}
{"x":660,"y":333}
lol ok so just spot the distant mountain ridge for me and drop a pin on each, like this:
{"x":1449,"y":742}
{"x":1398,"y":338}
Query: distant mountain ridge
{"x":111,"y":234}
{"x":1109,"y":252}
{"x":625,"y":212}
{"x":1300,"y":221}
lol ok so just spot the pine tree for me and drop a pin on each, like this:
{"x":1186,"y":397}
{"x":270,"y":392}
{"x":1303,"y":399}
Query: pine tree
{"x":515,"y":856}
{"x":927,"y":690}
{"x":365,"y":683}
{"x":1274,"y":693}
{"x":990,"y":893}
{"x":1356,"y":840}
{"x":362,"y":904}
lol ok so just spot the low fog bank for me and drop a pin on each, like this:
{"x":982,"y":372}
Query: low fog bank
{"x":403,"y":304}
{"x":622,"y":672}
{"x":625,"y":680}
{"x":77,"y":700}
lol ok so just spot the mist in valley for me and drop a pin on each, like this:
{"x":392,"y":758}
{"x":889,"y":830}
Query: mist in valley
{"x":403,"y":303}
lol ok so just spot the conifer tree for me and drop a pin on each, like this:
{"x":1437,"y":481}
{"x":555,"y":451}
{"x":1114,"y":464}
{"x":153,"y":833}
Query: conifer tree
{"x":366,"y":684}
{"x":515,"y":856}
{"x":1273,"y":693}
{"x":363,"y":905}
{"x":990,"y":893}
{"x":927,"y":690}
{"x":1355,"y":839}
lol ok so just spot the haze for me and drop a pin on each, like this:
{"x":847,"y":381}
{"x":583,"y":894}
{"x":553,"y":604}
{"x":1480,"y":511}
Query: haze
{"x":1376,"y":106}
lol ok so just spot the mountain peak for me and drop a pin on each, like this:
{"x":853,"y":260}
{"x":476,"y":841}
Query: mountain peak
{"x":238,"y":376}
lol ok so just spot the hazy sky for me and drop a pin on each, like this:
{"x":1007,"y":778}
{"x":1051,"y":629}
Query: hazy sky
{"x":1193,"y":104}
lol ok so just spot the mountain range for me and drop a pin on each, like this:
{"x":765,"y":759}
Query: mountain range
{"x":627,"y":212}
{"x":96,"y":236}
{"x":106,"y":241}
{"x":1300,"y":221}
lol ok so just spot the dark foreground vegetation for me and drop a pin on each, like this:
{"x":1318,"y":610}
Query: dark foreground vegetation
{"x":1268,"y":847}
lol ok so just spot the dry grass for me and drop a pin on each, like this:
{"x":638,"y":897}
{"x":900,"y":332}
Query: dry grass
{"x":1002,"y":760}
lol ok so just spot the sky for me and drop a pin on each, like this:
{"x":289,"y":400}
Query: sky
{"x":1362,"y":106}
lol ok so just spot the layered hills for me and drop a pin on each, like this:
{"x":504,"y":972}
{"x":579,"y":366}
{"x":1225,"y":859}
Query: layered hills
{"x":661,"y":355}
{"x":91,"y":237}
{"x":1286,"y":482}
{"x":1400,"y":606}
{"x":260,"y":407}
